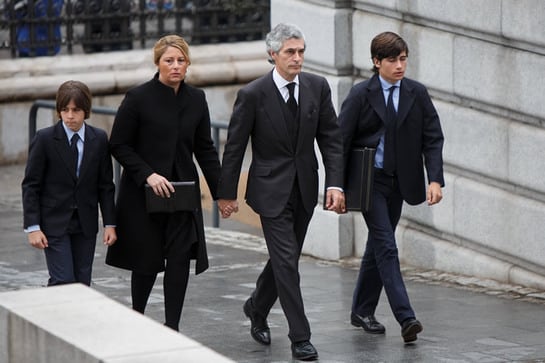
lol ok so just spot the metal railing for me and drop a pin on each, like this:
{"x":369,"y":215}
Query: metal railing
{"x":216,"y":126}
{"x":31,"y":28}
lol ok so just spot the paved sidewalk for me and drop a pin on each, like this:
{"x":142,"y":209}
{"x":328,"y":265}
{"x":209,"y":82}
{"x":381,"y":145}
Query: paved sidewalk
{"x":465,"y":319}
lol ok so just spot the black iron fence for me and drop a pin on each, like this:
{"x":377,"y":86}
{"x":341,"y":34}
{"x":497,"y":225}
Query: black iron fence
{"x":30,"y":28}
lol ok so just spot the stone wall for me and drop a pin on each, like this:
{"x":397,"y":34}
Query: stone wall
{"x":480,"y":64}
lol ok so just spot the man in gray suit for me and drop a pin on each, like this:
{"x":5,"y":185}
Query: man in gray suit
{"x":284,"y":112}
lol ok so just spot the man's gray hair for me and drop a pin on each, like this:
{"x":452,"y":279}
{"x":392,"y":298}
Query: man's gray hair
{"x":279,"y":34}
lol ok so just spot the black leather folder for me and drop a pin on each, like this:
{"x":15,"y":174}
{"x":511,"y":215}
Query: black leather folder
{"x":359,"y":173}
{"x":185,"y":198}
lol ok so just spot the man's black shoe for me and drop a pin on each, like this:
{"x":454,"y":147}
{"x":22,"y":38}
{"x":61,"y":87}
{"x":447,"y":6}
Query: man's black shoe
{"x":368,"y":323}
{"x":259,"y":328}
{"x":304,"y":351}
{"x":409,"y":329}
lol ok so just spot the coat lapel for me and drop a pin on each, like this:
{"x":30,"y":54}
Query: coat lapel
{"x":376,"y":98}
{"x":62,"y":145}
{"x":406,"y":100}
{"x":183,"y":98}
{"x":273,"y":109}
{"x":307,"y":106}
{"x":88,"y":150}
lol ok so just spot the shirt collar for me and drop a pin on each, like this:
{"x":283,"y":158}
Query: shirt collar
{"x":70,"y":133}
{"x":386,"y":85}
{"x":280,"y":82}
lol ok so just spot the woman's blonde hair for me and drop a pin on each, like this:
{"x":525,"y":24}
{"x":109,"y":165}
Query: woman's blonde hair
{"x":173,"y":40}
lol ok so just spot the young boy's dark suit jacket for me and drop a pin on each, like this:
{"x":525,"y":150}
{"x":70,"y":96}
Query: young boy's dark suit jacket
{"x":51,"y":190}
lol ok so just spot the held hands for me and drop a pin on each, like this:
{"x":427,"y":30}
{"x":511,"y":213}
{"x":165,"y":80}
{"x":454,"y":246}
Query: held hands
{"x":434,"y":194}
{"x":37,"y":239}
{"x":160,"y":185}
{"x":227,"y":207}
{"x":335,"y":201}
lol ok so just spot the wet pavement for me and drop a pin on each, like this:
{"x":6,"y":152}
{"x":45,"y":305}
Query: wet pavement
{"x":465,"y":319}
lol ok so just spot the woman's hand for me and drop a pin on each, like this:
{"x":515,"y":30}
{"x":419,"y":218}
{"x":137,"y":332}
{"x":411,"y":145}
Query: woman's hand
{"x":160,"y":185}
{"x":227,"y":207}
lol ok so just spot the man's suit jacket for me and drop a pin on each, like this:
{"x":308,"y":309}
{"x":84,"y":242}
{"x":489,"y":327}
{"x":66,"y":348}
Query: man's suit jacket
{"x":51,"y":190}
{"x":276,"y":161}
{"x":419,"y":139}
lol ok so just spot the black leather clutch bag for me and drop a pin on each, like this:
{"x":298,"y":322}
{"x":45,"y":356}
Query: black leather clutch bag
{"x":185,"y":198}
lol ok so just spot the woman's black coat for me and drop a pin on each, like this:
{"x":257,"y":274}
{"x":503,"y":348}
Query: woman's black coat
{"x":156,"y":130}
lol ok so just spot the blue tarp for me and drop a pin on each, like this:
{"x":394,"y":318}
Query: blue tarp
{"x":38,"y":38}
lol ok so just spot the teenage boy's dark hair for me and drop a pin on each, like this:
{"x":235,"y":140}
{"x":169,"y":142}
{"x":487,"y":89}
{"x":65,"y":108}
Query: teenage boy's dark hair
{"x":77,"y":91}
{"x":386,"y":45}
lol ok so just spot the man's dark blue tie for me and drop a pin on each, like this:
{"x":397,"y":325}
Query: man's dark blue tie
{"x":75,"y":152}
{"x":292,"y":103}
{"x":390,"y":135}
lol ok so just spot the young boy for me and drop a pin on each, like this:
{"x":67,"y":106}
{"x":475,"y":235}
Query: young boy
{"x":68,"y":174}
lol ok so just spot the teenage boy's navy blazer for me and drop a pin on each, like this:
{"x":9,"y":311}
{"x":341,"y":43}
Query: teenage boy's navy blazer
{"x":419,"y":139}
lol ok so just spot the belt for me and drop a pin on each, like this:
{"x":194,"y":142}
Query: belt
{"x":382,"y":172}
